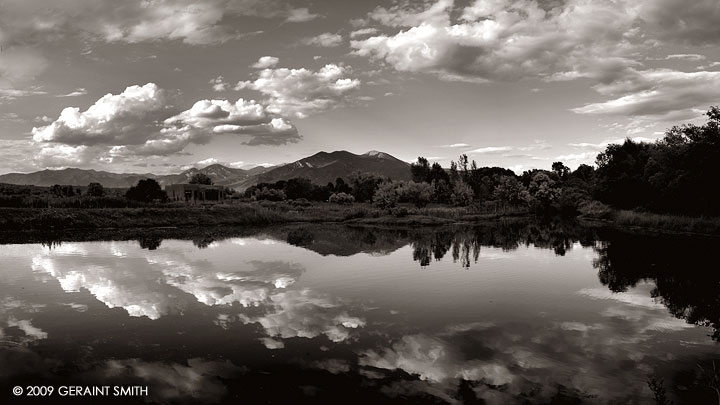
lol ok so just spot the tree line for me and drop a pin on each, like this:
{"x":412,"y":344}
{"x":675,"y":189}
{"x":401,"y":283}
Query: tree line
{"x":676,"y":174}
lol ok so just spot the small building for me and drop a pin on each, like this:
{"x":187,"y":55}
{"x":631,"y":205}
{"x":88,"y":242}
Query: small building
{"x":195,"y":193}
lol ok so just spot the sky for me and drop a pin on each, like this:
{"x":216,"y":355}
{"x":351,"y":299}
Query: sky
{"x":160,"y":86}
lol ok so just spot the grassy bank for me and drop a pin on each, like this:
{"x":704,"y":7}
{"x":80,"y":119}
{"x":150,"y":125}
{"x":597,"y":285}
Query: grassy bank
{"x":268,"y":213}
{"x":239,"y":214}
{"x":638,"y":220}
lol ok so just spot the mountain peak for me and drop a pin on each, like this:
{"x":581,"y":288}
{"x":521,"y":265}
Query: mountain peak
{"x":378,"y":154}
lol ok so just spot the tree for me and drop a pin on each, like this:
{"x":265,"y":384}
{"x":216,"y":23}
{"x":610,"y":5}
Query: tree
{"x":146,"y":190}
{"x":437,"y":173}
{"x":542,"y":193}
{"x":418,"y":194}
{"x":386,"y":196}
{"x":364,"y":185}
{"x":420,"y":171}
{"x":462,"y":194}
{"x":560,"y":169}
{"x":509,"y":191}
{"x":299,"y":188}
{"x":95,"y":190}
{"x":201,"y":178}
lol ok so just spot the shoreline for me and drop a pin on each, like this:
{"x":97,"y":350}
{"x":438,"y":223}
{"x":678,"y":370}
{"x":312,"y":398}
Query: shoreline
{"x":259,"y":215}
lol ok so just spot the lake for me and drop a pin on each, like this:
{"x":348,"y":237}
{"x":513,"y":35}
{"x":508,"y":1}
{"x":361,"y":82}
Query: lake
{"x":512,"y":312}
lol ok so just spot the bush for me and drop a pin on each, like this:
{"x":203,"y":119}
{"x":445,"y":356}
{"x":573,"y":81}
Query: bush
{"x":301,"y":202}
{"x":386,"y":196}
{"x":342,"y":199}
{"x":418,"y":194}
{"x":594,"y":209}
{"x":400,"y":212}
{"x":269,"y":194}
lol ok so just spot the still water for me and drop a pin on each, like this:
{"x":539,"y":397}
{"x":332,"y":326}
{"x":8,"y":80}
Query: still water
{"x":513,"y":313}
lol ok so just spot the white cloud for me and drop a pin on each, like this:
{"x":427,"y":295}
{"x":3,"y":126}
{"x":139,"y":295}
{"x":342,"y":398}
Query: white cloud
{"x":505,"y":39}
{"x":219,"y":84}
{"x":604,"y":144}
{"x":299,"y":92}
{"x":266,"y":62}
{"x":325,"y":40}
{"x":686,"y":56}
{"x":363,"y":32}
{"x":456,"y":145}
{"x":490,"y":150}
{"x":80,"y":91}
{"x":298,"y":15}
{"x":657,"y":93}
{"x":191,"y":21}
{"x":113,"y":119}
{"x":602,"y":40}
{"x":139,"y":122}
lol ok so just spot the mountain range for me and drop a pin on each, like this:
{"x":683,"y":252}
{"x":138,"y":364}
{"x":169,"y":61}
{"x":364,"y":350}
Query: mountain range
{"x":320,"y":168}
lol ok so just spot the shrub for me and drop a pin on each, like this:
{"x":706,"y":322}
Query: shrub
{"x":418,"y":194}
{"x":342,"y":198}
{"x":594,"y":209}
{"x":386,"y":196}
{"x":269,"y":194}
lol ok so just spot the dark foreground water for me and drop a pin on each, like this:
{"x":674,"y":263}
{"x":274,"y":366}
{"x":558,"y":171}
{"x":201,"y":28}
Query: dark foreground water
{"x":514,"y":313}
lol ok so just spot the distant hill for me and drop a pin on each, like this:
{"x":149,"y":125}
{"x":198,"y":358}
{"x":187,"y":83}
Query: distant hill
{"x":324,"y":167}
{"x":74,"y":177}
{"x":321,"y":168}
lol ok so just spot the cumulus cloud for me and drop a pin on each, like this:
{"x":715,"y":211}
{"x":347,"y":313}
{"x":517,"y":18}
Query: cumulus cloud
{"x":601,"y":40}
{"x":113,"y":119}
{"x":266,"y":62}
{"x":299,"y":92}
{"x":325,"y":40}
{"x":142,"y":121}
{"x":219,"y":84}
{"x":504,"y":40}
{"x":244,"y":117}
{"x":191,"y":21}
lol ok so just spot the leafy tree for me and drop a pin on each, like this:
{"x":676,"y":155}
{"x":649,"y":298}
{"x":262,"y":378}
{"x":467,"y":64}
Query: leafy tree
{"x":542,"y":193}
{"x":442,"y":191}
{"x":298,"y":188}
{"x":419,"y":194}
{"x":95,"y":190}
{"x":420,"y":171}
{"x":341,"y":186}
{"x":437,"y":173}
{"x":201,"y":178}
{"x":387,"y":195}
{"x":364,"y":185}
{"x":509,"y":191}
{"x":462,"y":194}
{"x":146,"y":190}
{"x":560,"y":169}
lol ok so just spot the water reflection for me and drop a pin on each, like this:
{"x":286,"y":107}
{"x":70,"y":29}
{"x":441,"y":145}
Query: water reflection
{"x":510,"y":312}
